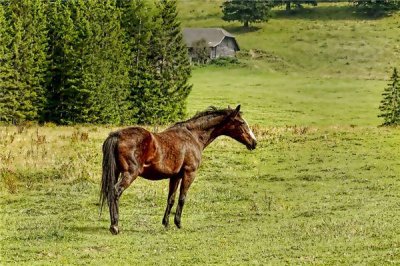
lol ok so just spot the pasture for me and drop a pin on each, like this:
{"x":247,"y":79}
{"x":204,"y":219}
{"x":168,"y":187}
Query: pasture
{"x":322,"y":187}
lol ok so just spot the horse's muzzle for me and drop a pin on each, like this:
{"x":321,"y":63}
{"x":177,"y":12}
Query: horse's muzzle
{"x":252,"y":146}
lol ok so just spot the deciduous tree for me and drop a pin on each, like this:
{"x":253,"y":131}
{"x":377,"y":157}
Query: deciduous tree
{"x":376,"y":7}
{"x":289,"y":3}
{"x":246,"y":11}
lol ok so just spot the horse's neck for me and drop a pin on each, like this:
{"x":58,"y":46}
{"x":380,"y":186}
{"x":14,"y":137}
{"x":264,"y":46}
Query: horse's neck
{"x":208,"y":133}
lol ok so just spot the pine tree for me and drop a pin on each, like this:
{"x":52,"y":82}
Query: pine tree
{"x":176,"y":69}
{"x":107,"y":63}
{"x":8,"y":89}
{"x":65,"y":62}
{"x":90,"y":78}
{"x":390,"y":104}
{"x":137,"y":23}
{"x":29,"y":61}
{"x":246,"y":11}
{"x":164,"y":96}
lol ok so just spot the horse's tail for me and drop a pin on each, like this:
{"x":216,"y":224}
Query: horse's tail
{"x":110,"y":175}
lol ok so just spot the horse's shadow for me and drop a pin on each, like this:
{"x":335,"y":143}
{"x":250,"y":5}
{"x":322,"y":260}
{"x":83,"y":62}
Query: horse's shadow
{"x":88,"y":228}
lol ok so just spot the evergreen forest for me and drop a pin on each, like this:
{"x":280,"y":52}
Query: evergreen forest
{"x":88,"y":61}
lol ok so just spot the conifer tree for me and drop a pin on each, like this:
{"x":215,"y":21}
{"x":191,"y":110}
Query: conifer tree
{"x":107,"y":63}
{"x":100,"y":66}
{"x":8,"y":89}
{"x":390,"y":104}
{"x":89,"y":63}
{"x":65,"y":62}
{"x":29,"y":61}
{"x":169,"y":68}
{"x":137,"y":23}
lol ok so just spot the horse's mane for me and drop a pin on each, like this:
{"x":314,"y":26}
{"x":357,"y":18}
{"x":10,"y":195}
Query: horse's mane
{"x":202,"y":119}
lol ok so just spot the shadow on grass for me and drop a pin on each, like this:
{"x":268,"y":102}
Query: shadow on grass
{"x":241,"y":29}
{"x":342,"y":12}
{"x":99,"y":229}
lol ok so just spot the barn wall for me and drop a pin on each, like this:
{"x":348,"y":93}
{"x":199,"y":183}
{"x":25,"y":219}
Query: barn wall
{"x":226,"y":48}
{"x":213,"y":52}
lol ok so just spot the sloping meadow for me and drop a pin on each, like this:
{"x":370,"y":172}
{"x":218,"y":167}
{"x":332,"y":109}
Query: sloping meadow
{"x":322,"y":187}
{"x":306,"y":194}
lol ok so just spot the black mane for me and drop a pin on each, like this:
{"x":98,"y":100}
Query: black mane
{"x":200,"y":119}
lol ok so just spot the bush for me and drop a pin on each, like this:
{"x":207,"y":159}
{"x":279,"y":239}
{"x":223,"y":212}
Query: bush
{"x":225,"y":61}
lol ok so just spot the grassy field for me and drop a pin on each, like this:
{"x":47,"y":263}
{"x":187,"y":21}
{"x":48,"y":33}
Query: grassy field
{"x":321,"y":188}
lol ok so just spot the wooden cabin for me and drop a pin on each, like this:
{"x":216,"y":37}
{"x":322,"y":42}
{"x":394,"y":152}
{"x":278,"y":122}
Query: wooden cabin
{"x":218,"y":42}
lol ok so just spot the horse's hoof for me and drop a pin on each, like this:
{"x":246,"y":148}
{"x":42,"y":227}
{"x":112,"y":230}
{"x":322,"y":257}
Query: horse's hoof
{"x":165,"y":223}
{"x":114,"y":229}
{"x":178,"y":224}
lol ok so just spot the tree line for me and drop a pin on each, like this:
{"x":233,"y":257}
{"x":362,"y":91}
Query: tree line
{"x":89,"y":61}
{"x":256,"y":11}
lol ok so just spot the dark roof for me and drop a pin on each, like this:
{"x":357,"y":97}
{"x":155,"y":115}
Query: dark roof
{"x":213,"y":36}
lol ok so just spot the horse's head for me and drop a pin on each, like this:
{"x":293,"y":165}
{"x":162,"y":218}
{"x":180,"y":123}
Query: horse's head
{"x":237,"y":128}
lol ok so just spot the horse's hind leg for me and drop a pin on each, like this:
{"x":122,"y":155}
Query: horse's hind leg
{"x":187,"y":180}
{"x":127,"y":178}
{"x":129,"y":174}
{"x":173,"y":185}
{"x":114,"y":211}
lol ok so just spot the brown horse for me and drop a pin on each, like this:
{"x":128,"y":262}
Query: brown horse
{"x":174,"y":153}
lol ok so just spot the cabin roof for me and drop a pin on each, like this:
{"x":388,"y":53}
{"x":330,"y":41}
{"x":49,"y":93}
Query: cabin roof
{"x":213,"y":36}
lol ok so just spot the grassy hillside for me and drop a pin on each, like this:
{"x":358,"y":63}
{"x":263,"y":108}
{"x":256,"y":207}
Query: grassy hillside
{"x":321,"y":188}
{"x":322,"y":65}
{"x":325,"y":41}
{"x":272,"y":99}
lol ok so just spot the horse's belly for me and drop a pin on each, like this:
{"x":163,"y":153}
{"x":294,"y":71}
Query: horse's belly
{"x":155,"y":174}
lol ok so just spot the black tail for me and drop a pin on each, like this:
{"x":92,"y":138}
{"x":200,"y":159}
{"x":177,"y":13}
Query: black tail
{"x":110,"y":175}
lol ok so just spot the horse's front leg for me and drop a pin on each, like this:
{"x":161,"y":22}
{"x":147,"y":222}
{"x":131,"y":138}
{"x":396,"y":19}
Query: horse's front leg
{"x":187,"y":180}
{"x":173,"y":185}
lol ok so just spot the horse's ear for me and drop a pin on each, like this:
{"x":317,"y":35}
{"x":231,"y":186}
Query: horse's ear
{"x":236,"y":111}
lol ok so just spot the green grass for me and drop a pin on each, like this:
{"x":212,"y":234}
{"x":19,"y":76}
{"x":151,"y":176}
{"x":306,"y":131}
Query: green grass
{"x":275,"y":99}
{"x":321,"y":188}
{"x":306,"y":195}
{"x":324,"y":41}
